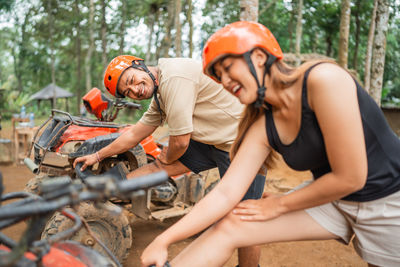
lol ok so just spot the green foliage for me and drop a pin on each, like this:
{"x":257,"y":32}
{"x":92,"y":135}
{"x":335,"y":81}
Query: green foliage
{"x":277,"y":19}
{"x":25,"y":46}
{"x":6,"y":5}
{"x":219,"y":14}
{"x":392,"y":68}
{"x":130,"y":116}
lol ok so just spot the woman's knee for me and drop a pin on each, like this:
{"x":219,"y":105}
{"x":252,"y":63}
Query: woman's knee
{"x":228,"y":226}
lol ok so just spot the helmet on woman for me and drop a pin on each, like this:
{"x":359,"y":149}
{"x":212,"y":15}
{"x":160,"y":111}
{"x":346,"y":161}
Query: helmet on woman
{"x":236,"y":39}
{"x":240,"y":38}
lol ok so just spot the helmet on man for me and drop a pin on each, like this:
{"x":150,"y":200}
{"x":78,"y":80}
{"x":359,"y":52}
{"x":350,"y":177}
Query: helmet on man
{"x":115,"y":70}
{"x":118,"y":66}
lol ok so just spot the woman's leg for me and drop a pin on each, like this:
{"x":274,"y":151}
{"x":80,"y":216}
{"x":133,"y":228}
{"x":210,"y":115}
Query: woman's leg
{"x":216,"y":245}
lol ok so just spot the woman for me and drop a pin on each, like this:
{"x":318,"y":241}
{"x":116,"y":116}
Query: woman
{"x":320,"y":119}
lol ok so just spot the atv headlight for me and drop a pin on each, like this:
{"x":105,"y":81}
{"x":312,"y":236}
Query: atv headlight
{"x":70,"y":147}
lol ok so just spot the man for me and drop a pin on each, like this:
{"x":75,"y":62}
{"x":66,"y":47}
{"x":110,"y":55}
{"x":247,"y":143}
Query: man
{"x":202,"y":120}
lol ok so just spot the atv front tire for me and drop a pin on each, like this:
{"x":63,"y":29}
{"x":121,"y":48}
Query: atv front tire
{"x":32,"y":186}
{"x":112,"y":230}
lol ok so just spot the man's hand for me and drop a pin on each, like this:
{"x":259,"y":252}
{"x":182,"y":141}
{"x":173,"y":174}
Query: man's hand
{"x":177,"y":145}
{"x":163,"y":156}
{"x":87,"y":160}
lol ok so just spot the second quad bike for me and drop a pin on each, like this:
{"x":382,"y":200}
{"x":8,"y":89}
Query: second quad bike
{"x":57,"y":193}
{"x":63,"y":138}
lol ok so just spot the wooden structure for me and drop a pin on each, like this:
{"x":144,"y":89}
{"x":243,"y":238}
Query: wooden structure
{"x":392,"y":114}
{"x":6,"y":151}
{"x":292,"y":59}
{"x":5,"y":147}
{"x":22,"y":138}
{"x":22,"y":142}
{"x":52,"y":92}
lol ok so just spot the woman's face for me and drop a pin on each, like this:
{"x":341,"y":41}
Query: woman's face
{"x":136,"y":84}
{"x":236,"y":78}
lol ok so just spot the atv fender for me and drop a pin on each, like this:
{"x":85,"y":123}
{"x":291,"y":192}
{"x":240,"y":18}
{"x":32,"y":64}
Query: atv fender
{"x":94,"y":144}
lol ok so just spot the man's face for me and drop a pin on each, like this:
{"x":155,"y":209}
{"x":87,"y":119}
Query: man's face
{"x":136,"y":84}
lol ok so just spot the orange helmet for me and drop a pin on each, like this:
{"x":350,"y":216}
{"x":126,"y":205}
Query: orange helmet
{"x":117,"y":67}
{"x":115,"y":70}
{"x":236,"y":39}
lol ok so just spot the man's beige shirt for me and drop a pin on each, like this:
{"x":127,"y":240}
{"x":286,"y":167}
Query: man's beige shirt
{"x":193,"y":103}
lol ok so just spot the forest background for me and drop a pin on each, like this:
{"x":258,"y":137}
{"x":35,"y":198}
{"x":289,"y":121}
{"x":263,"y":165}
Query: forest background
{"x":70,"y":42}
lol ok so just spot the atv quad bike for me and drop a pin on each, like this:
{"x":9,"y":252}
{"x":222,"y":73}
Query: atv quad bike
{"x":63,"y":138}
{"x":58,"y":193}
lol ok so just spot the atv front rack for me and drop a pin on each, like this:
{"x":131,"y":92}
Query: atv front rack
{"x":55,"y":128}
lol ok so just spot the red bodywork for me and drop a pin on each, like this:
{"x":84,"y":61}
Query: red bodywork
{"x":81,"y":133}
{"x":55,"y":258}
{"x":94,"y":103}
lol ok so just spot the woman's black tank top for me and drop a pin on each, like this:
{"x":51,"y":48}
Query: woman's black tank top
{"x":307,"y":151}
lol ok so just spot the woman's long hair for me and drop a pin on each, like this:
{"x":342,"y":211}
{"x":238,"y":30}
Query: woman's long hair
{"x":284,"y":76}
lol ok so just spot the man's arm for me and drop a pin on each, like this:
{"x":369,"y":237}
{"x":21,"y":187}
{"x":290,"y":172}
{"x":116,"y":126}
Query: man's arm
{"x":126,"y":141}
{"x":177,"y":145}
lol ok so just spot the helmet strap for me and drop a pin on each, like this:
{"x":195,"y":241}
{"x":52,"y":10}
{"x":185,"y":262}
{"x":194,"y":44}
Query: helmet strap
{"x":139,"y":64}
{"x":261,"y":89}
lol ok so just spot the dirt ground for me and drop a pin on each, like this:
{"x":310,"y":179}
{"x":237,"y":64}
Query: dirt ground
{"x":308,"y":253}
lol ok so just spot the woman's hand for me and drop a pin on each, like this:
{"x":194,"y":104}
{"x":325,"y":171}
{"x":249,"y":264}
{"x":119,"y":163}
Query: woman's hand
{"x":87,"y":160}
{"x":155,"y":253}
{"x":263,"y":209}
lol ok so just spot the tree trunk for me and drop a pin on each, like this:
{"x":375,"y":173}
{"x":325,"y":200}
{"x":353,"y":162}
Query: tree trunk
{"x":368,"y":55}
{"x":329,"y":44}
{"x":166,"y":42}
{"x":159,"y":45}
{"x":344,"y":33}
{"x":267,"y":6}
{"x":78,"y":57}
{"x":358,"y":29}
{"x":178,"y":34}
{"x":249,"y":10}
{"x":20,"y":57}
{"x":299,"y":29}
{"x":150,"y":24}
{"x":122,"y":27}
{"x":290,"y":27}
{"x":17,"y":71}
{"x":88,"y":65}
{"x":378,"y":50}
{"x":190,"y":21}
{"x":51,"y":42}
{"x":103,"y":36}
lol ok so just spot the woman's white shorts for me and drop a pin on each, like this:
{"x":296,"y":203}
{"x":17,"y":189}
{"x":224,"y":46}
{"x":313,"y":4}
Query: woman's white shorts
{"x":374,"y":224}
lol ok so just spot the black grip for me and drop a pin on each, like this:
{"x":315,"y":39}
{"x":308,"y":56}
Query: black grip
{"x":133,"y":105}
{"x":165,"y":265}
{"x":143,"y":182}
{"x":82,"y":174}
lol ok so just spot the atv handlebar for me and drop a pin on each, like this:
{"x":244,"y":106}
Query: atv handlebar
{"x":62,"y":191}
{"x":58,"y":193}
{"x":165,"y":265}
{"x":133,"y":105}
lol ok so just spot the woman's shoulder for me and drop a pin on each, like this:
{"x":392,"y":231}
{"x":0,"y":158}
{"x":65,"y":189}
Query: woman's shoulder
{"x":327,"y":72}
{"x":328,"y":81}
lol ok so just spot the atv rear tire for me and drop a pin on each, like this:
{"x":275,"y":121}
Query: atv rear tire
{"x":113,"y":230}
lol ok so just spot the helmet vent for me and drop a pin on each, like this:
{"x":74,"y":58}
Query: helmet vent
{"x":109,"y":77}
